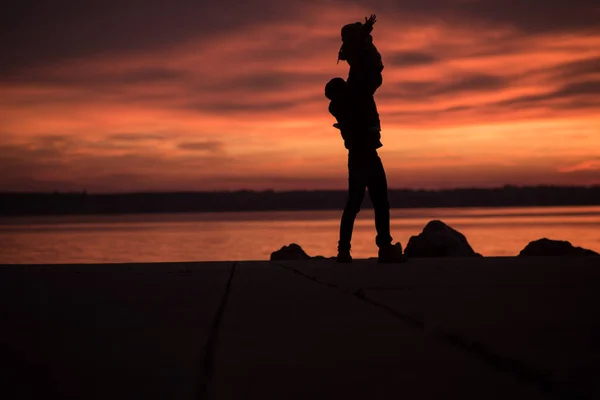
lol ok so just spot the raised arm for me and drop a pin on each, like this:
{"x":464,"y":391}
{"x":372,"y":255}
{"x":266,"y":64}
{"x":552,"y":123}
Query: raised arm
{"x":367,"y":27}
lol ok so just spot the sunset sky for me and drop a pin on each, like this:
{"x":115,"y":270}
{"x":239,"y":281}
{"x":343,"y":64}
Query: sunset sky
{"x":119,"y":96}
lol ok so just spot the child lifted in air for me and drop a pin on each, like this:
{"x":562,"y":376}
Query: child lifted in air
{"x":357,"y":124}
{"x":366,"y":66}
{"x":362,"y":55}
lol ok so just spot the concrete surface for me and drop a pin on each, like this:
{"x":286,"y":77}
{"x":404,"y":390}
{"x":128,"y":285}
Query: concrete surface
{"x":427,"y":329}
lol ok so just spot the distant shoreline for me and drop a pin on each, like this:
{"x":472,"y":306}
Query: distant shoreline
{"x":82,"y":203}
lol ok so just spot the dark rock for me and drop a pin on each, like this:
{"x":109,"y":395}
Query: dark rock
{"x":547,"y":247}
{"x":293,"y":252}
{"x":392,"y":254}
{"x":439,"y":240}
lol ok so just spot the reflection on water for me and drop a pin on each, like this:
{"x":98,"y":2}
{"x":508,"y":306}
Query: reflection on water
{"x":254,"y":235}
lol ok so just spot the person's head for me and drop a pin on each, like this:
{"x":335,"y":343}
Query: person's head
{"x":335,"y":88}
{"x":351,"y":32}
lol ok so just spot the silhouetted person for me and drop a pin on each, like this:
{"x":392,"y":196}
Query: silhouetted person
{"x":361,"y":136}
{"x":366,"y":66}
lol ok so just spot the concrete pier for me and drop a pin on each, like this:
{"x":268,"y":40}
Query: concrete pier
{"x":481,"y":328}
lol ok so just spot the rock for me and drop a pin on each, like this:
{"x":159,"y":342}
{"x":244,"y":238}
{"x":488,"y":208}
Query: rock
{"x":439,"y":240}
{"x":547,"y":247}
{"x":391,"y":255}
{"x":293,"y":252}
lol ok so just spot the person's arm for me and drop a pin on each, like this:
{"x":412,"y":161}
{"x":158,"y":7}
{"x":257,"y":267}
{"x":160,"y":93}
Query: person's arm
{"x":367,"y":27}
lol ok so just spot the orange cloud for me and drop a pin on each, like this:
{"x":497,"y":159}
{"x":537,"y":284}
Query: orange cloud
{"x":588,"y":165}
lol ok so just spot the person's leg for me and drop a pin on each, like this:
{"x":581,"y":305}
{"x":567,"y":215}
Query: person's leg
{"x":356,"y":192}
{"x":378,"y":192}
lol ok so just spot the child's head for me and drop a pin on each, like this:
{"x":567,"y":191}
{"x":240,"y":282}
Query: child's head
{"x":351,"y":32}
{"x":335,"y":88}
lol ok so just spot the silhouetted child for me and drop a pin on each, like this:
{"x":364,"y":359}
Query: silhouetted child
{"x":364,"y":77}
{"x":365,"y":170}
{"x":361,"y":54}
{"x":359,"y":127}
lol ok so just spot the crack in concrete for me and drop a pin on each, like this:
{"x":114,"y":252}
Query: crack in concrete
{"x":466,"y":286}
{"x":208,"y":362}
{"x":501,"y":363}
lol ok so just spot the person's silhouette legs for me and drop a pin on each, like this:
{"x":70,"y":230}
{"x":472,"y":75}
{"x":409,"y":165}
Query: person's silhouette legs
{"x":365,"y":170}
{"x":378,"y":192}
{"x":357,"y":183}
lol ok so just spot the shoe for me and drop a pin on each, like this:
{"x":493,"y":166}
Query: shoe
{"x":344,"y":256}
{"x":391,"y":254}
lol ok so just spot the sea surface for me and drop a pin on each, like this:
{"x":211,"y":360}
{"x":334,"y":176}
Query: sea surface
{"x":254,"y":235}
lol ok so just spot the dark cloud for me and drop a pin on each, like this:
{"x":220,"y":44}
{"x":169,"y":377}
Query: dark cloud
{"x":576,"y":69}
{"x":237,"y":105}
{"x":536,"y":16}
{"x":141,"y":75}
{"x":573,"y":96}
{"x":268,"y":81}
{"x":24,"y":163}
{"x":529,"y":16}
{"x":467,"y":83}
{"x":79,"y":78}
{"x":409,"y":59}
{"x":241,"y":92}
{"x":281,"y":182}
{"x":38,"y":165}
{"x":475,"y":82}
{"x":590,"y":175}
{"x":45,"y":149}
{"x":53,"y":141}
{"x":134,"y":137}
{"x":60,"y":145}
{"x":570,"y":97}
{"x":36,"y":33}
{"x":578,"y":88}
{"x":458,"y":109}
{"x":242,"y":104}
{"x":435,"y":115}
{"x":206,"y":146}
{"x":571,"y":91}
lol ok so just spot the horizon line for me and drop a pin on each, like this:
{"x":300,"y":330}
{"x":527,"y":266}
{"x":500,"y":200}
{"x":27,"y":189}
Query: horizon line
{"x":150,"y":191}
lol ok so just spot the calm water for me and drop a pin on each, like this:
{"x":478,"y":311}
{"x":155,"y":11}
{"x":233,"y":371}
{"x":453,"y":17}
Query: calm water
{"x":254,"y":235}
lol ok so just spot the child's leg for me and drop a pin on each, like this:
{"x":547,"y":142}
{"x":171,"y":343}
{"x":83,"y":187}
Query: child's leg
{"x":356,"y":193}
{"x":378,"y":192}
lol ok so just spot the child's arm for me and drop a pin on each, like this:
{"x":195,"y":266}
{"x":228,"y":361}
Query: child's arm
{"x":367,"y":27}
{"x":343,"y":117}
{"x":335,"y":112}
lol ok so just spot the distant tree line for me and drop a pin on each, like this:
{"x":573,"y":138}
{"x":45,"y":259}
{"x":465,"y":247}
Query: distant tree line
{"x":13,"y":203}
